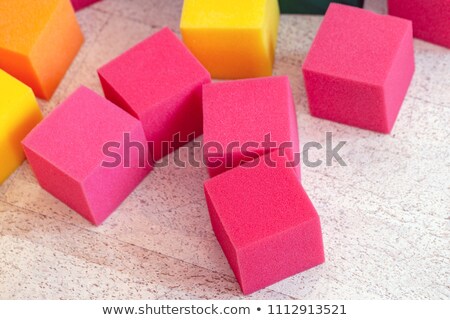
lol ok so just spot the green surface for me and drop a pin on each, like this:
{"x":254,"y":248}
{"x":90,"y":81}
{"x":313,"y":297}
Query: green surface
{"x":313,"y":6}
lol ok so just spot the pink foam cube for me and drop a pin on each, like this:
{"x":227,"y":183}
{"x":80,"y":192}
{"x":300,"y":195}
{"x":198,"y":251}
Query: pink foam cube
{"x":238,"y":117}
{"x":159,"y":82}
{"x":359,"y":68}
{"x":78,"y":154}
{"x":264,"y":221}
{"x":430,"y":18}
{"x":80,"y":4}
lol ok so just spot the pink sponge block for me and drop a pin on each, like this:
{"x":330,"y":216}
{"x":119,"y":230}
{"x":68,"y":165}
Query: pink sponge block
{"x":431,"y":18}
{"x":79,"y":154}
{"x":159,"y":82}
{"x":264,"y":221}
{"x":359,"y":68}
{"x":240,"y":115}
{"x":80,"y":4}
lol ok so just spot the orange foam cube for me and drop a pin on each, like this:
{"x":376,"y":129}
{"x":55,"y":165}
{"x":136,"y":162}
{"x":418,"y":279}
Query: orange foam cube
{"x":38,"y":41}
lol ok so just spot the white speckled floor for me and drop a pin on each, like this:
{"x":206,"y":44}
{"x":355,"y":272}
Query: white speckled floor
{"x":385,"y":216}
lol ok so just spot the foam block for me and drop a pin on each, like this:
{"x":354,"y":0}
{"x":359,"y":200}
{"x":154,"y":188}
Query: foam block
{"x":359,"y":68}
{"x":313,"y":6}
{"x":69,"y":155}
{"x":159,"y":82}
{"x":265,"y":223}
{"x":38,"y":41}
{"x":237,"y":113}
{"x":233,"y":39}
{"x":19,"y":113}
{"x":81,"y":4}
{"x":430,"y":18}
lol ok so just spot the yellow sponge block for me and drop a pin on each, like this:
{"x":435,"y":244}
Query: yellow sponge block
{"x":233,"y":39}
{"x":19,"y":113}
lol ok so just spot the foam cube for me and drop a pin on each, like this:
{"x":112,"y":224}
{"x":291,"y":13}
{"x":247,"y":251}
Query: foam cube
{"x":81,"y":4}
{"x":19,"y":113}
{"x":313,"y":6}
{"x":239,"y":115}
{"x":88,"y":153}
{"x":233,"y":39}
{"x":359,"y":68}
{"x":430,"y":18}
{"x":38,"y":41}
{"x":264,"y":221}
{"x":159,"y":82}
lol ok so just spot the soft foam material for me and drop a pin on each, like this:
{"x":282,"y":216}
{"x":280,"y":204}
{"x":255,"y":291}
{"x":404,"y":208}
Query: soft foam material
{"x":19,"y":113}
{"x":359,"y":68}
{"x":430,"y":18}
{"x":264,"y":221}
{"x":159,"y":82}
{"x":313,"y":6}
{"x":66,"y":152}
{"x":38,"y":41}
{"x":241,"y":112}
{"x":233,"y":39}
{"x":81,"y":4}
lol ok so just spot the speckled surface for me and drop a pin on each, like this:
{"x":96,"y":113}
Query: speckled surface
{"x":385,"y":216}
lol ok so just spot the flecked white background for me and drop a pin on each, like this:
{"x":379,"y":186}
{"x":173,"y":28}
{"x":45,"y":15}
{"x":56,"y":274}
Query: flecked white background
{"x":385,"y":216}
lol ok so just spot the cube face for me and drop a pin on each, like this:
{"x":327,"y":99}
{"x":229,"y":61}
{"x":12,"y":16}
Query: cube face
{"x":159,"y":82}
{"x":350,"y":69}
{"x":224,"y":59}
{"x":430,"y":18}
{"x":329,"y":99}
{"x":219,"y":14}
{"x":40,"y":51}
{"x":62,"y":186}
{"x":296,"y":250}
{"x":70,"y":152}
{"x":19,"y":114}
{"x":241,"y":116}
{"x":18,"y":36}
{"x":232,"y":39}
{"x":313,"y":6}
{"x":267,"y":226}
{"x":399,"y":79}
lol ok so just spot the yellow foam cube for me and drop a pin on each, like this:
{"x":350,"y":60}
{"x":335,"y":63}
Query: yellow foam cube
{"x":233,"y":39}
{"x":19,"y":113}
